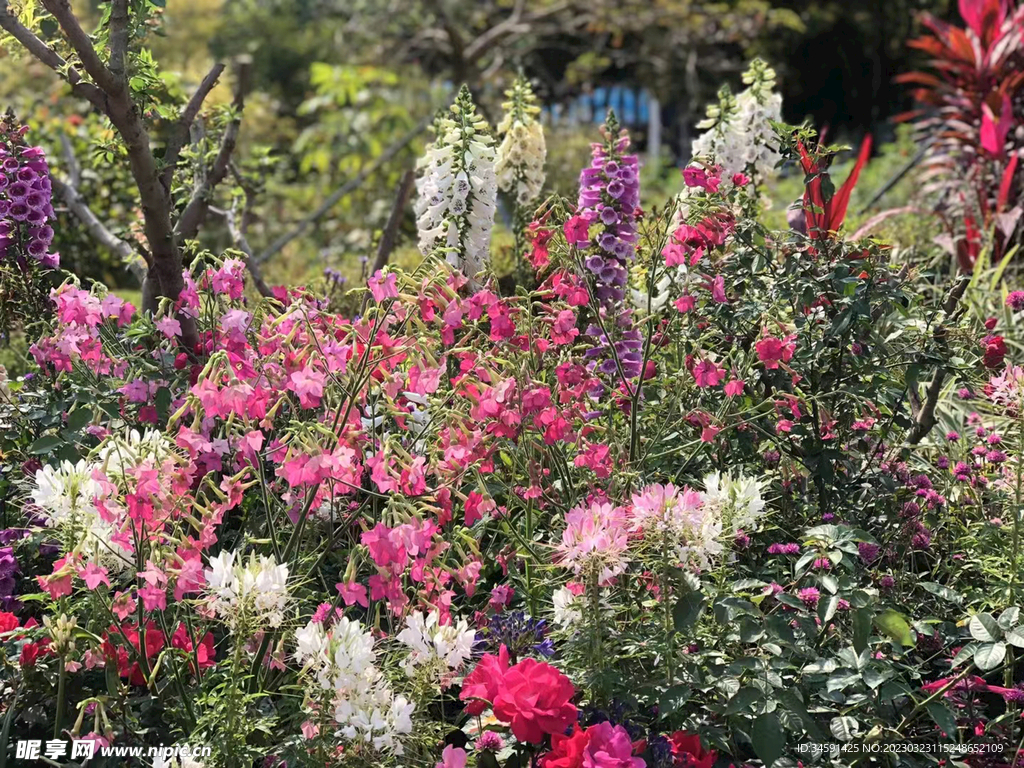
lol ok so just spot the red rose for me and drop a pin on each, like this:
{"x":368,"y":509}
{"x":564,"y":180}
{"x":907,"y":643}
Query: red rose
{"x":566,"y":751}
{"x":484,"y":682}
{"x":536,"y":699}
{"x":688,"y":751}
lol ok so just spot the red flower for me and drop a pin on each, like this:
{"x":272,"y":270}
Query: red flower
{"x":688,"y":752}
{"x":566,"y":751}
{"x":205,"y":652}
{"x":8,"y":621}
{"x":484,"y":682}
{"x":536,"y":699}
{"x":995,"y":351}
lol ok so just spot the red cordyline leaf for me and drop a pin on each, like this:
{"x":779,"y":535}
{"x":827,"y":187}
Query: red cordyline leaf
{"x":1006,"y":183}
{"x":984,"y":17}
{"x":820,"y":223}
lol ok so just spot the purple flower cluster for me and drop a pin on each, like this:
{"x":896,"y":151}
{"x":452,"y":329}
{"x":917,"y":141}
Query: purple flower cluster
{"x":8,"y":568}
{"x":25,"y":200}
{"x":610,"y":199}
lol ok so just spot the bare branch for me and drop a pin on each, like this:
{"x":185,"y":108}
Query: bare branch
{"x":45,"y":54}
{"x":61,"y":10}
{"x":181,"y":129}
{"x":389,"y":237}
{"x":74,"y":168}
{"x":195,"y":212}
{"x":347,"y":188}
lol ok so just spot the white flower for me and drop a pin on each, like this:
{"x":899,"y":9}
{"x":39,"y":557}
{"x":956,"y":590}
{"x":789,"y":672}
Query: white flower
{"x":341,"y":660}
{"x":738,"y":500}
{"x":66,"y":496}
{"x":457,"y":189}
{"x":519,"y":162}
{"x":120,"y":453}
{"x":445,"y":648}
{"x":257,"y":587}
{"x":568,"y":612}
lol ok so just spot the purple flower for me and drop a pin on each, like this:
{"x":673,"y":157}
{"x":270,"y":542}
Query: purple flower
{"x":809,"y":596}
{"x":868,"y":552}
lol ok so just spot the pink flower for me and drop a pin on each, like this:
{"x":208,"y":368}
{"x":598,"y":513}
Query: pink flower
{"x":93,"y":575}
{"x":482,"y":685}
{"x":308,"y":384}
{"x":708,"y":434}
{"x":169,"y":327}
{"x":153,"y":598}
{"x":452,"y":757}
{"x":383,"y":287}
{"x":536,"y":699}
{"x":718,"y":290}
{"x":577,"y":231}
{"x":734,"y":388}
{"x":740,"y":179}
{"x":708,"y":373}
{"x":564,"y":329}
{"x":685,"y":303}
{"x":610,"y":747}
{"x":595,"y":536}
{"x":771,"y":351}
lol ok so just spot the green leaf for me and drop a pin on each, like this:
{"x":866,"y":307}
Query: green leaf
{"x":827,"y":608}
{"x":1008,"y":618}
{"x":79,"y":419}
{"x":1015,"y":637}
{"x":963,"y":655}
{"x":944,"y":592}
{"x":892,"y":624}
{"x":487,"y":760}
{"x":990,"y":655}
{"x":687,"y":610}
{"x":45,"y":444}
{"x":768,"y":738}
{"x":744,"y":698}
{"x":791,"y":700}
{"x":844,"y":728}
{"x":861,"y":629}
{"x":984,"y":628}
{"x":943,"y":718}
{"x":672,"y":699}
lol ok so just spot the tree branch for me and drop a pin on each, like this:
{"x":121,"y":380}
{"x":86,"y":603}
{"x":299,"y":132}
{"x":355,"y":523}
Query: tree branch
{"x":83,"y":45}
{"x":389,"y":237}
{"x":188,"y":115}
{"x":49,"y":57}
{"x":119,"y":40}
{"x":195,"y":212}
{"x":345,"y":189}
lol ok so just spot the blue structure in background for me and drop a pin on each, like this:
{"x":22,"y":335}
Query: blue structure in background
{"x":631,"y":106}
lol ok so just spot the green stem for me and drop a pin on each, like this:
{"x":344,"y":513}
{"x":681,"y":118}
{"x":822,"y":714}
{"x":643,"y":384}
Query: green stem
{"x":62,"y":677}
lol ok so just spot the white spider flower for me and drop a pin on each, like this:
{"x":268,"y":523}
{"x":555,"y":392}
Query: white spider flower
{"x":442,"y":647}
{"x":341,"y":659}
{"x":738,"y":500}
{"x":258,"y":587}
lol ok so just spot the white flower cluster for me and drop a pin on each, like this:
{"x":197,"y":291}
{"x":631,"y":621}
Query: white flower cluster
{"x":737,"y":501}
{"x":258,"y":588}
{"x":738,"y":133}
{"x":343,"y":661}
{"x":119,"y":454}
{"x":441,"y":648}
{"x":457,"y":189}
{"x":520,"y":159}
{"x":678,"y":519}
{"x":66,"y":495}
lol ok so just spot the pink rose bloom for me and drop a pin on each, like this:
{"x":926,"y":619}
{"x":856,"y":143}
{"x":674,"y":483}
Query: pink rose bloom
{"x":483,"y":684}
{"x":536,"y":699}
{"x":610,"y":747}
